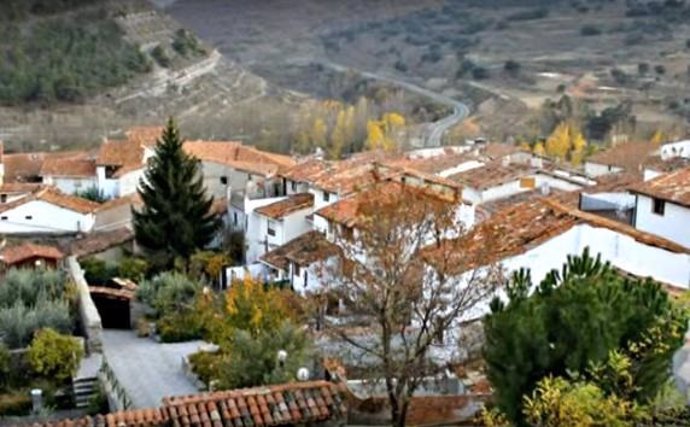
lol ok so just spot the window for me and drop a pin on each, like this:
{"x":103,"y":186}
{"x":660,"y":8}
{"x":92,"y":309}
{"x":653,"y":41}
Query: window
{"x":4,"y":218}
{"x":271,"y":228}
{"x":346,"y":232}
{"x":224,"y":180}
{"x":295,"y":270}
{"x":528,"y":182}
{"x":326,"y":196}
{"x":3,"y":198}
{"x":658,"y":206}
{"x":293,"y":185}
{"x":234,"y":218}
{"x":29,"y":217}
{"x":306,"y":277}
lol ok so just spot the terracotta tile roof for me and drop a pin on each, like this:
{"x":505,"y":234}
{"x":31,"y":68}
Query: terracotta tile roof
{"x":344,"y":176}
{"x":123,"y":294}
{"x":303,"y":250}
{"x":55,"y":197}
{"x":72,"y":167}
{"x":284,"y":404}
{"x":347,"y":211}
{"x":74,"y":203}
{"x":669,"y":165}
{"x":433,"y":164}
{"x":275,"y":405}
{"x":491,"y":174}
{"x":234,"y":154}
{"x":100,"y":241}
{"x":15,"y":254}
{"x":133,"y":199}
{"x":283,"y":208}
{"x":674,"y":187}
{"x":521,"y":227}
{"x":20,"y":187}
{"x":630,"y":156}
{"x":495,"y":150}
{"x":616,"y":182}
{"x":23,"y":167}
{"x":125,"y":154}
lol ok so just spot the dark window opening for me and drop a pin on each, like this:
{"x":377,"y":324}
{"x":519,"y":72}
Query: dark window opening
{"x":293,"y":186}
{"x":234,"y":218}
{"x":295,"y":270}
{"x":271,"y":229}
{"x":326,"y":196}
{"x":224,"y":180}
{"x":28,"y":217}
{"x":306,"y":277}
{"x":4,"y":218}
{"x":658,"y":206}
{"x":3,"y":198}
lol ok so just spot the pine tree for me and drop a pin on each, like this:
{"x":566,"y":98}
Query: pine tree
{"x":176,"y":218}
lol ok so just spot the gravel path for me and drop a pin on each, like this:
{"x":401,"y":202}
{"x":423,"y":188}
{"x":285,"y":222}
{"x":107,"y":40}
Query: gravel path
{"x":148,"y":370}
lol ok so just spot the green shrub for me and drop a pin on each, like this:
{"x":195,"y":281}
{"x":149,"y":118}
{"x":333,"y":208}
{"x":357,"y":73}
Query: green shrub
{"x":53,"y":355}
{"x":205,"y":365}
{"x":28,"y":286}
{"x":92,"y":193}
{"x":590,"y":30}
{"x":186,"y":44}
{"x":133,"y":268}
{"x":168,"y":292}
{"x":160,"y":55}
{"x":19,"y":322}
{"x":180,"y":326}
{"x":17,"y":403}
{"x":97,"y":271}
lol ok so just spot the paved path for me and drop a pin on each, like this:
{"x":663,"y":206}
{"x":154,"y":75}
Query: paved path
{"x":147,"y":370}
{"x":437,"y":129}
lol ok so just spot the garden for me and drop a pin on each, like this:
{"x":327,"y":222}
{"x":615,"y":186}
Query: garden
{"x":38,"y":348}
{"x":250,"y":324}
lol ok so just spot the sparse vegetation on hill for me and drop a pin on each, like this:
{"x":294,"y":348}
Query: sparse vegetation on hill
{"x":65,"y":59}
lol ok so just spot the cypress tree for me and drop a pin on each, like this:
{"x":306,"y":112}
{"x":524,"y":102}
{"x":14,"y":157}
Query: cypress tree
{"x":176,"y":218}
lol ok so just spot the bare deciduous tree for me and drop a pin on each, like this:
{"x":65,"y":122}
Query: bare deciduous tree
{"x":402,"y":268}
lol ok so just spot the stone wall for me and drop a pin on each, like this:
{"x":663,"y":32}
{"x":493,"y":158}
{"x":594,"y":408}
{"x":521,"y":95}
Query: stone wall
{"x":88,"y":313}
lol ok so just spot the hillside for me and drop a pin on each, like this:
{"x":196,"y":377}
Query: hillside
{"x":73,"y":71}
{"x":511,"y":59}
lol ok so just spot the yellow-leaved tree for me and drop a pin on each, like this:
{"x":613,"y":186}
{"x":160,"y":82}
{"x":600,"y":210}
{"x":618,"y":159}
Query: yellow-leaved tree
{"x":253,"y":307}
{"x":578,"y":145}
{"x":657,"y":138}
{"x":319,"y":133}
{"x":558,"y":143}
{"x":384,"y":134}
{"x":539,"y":149}
{"x":338,"y":136}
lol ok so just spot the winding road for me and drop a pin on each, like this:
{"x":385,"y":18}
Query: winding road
{"x":435,"y":130}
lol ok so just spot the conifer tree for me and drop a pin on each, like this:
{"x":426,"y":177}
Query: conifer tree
{"x":176,"y":219}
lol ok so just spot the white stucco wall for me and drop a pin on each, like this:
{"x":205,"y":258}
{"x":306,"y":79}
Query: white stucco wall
{"x":597,"y":169}
{"x":72,"y":185}
{"x":293,"y":187}
{"x":129,"y":182}
{"x":45,"y":218}
{"x":255,"y":228}
{"x":320,"y":223}
{"x":675,"y":149}
{"x":673,"y":225}
{"x":621,"y":250}
{"x":212,"y":178}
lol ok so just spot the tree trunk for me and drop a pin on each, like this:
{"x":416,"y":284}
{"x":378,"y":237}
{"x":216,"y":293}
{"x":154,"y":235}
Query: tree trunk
{"x":399,"y":414}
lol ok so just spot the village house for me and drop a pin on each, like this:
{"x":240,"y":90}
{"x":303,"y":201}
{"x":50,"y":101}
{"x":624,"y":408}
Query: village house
{"x":47,"y":211}
{"x":662,"y":206}
{"x":30,"y":255}
{"x":540,"y":233}
{"x":229,"y":166}
{"x":70,"y":175}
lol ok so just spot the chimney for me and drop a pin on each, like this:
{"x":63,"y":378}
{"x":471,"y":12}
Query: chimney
{"x":37,"y":400}
{"x":545,"y":189}
{"x":505,"y":161}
